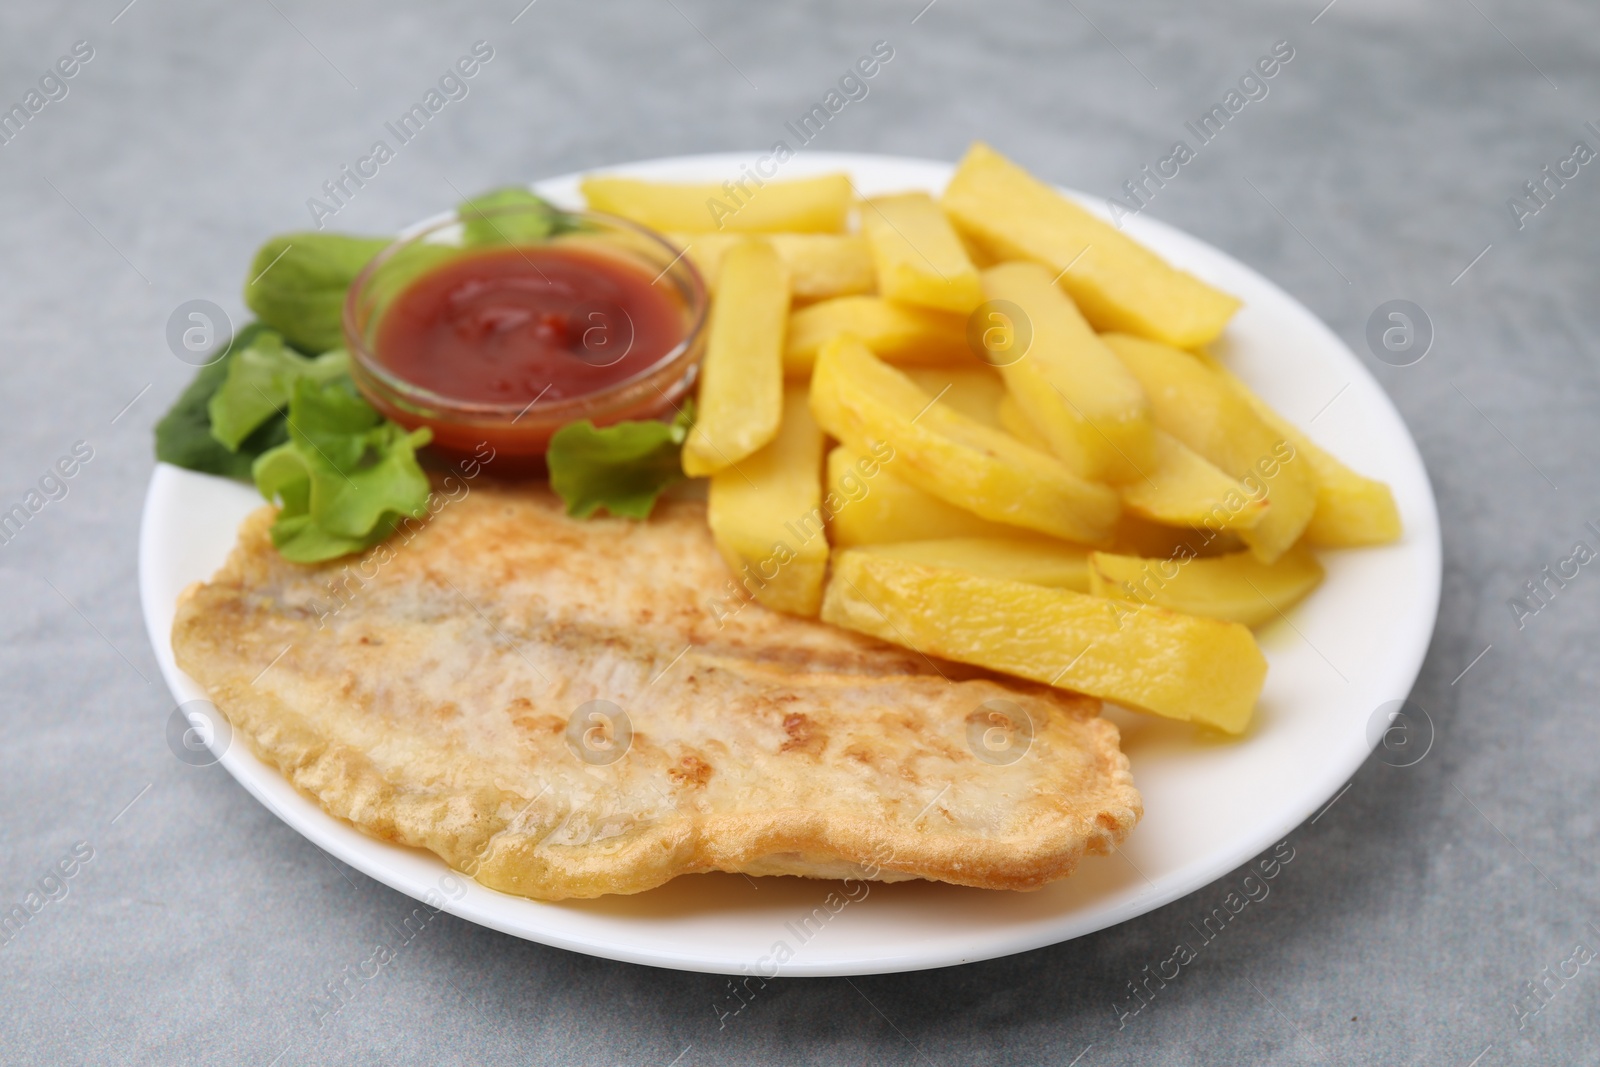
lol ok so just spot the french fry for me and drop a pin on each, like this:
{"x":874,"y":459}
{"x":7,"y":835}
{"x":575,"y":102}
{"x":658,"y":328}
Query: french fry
{"x":1183,"y":489}
{"x":741,"y":376}
{"x":1116,"y":282}
{"x":1077,"y":393}
{"x":898,"y":333}
{"x":758,"y":513}
{"x":859,"y":399}
{"x":1209,"y":671}
{"x":880,"y":508}
{"x":1139,"y":536}
{"x":1013,"y":558}
{"x":918,"y":256}
{"x":821,"y":265}
{"x":1352,"y":510}
{"x":1236,"y":588}
{"x":1177,"y":505}
{"x":981,"y":257}
{"x":1014,"y":421}
{"x":974,"y":391}
{"x":1194,"y":404}
{"x":807,"y":205}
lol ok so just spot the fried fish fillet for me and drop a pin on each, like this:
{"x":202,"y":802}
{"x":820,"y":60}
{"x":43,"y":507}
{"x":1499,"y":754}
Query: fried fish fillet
{"x":568,"y":709}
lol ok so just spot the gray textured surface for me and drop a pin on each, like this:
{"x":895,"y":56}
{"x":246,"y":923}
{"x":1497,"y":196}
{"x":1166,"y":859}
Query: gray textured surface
{"x":1415,"y":909}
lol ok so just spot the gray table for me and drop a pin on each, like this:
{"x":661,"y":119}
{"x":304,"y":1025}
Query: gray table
{"x":1418,"y":908}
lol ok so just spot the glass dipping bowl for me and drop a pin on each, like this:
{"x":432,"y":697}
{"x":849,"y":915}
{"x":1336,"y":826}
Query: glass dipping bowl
{"x":519,"y":432}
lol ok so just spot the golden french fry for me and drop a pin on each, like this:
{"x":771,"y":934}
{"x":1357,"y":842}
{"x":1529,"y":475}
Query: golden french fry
{"x":1178,"y":506}
{"x":1116,"y":282}
{"x":1183,"y":489}
{"x":1194,"y":404}
{"x":859,"y":399}
{"x":1182,"y":494}
{"x":918,"y":256}
{"x":741,"y":376}
{"x":1138,"y":536}
{"x":899,"y":333}
{"x":821,"y":265}
{"x":880,"y":508}
{"x":1236,"y":588}
{"x":807,"y":205}
{"x":1015,"y":421}
{"x":1075,"y":391}
{"x":1352,"y":509}
{"x":765,"y":516}
{"x":980,"y":256}
{"x":1015,"y":557}
{"x":1210,"y":672}
{"x":974,"y":391}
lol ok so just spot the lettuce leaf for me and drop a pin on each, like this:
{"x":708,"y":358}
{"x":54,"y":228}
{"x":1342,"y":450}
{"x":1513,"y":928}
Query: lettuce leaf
{"x":260,"y":378}
{"x":622,"y":468}
{"x":526,"y":227}
{"x":297,"y":284}
{"x":346,"y":476}
{"x":183,"y":436}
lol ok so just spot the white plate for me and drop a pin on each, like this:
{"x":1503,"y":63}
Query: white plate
{"x":1355,"y":645}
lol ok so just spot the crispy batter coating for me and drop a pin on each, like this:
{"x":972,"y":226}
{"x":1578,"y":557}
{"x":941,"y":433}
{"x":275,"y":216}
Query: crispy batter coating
{"x":436,"y":693}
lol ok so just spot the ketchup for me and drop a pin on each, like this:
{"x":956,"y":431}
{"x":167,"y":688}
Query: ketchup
{"x":524,"y":324}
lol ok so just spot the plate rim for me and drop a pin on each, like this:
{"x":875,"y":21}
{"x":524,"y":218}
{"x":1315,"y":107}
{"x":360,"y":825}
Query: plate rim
{"x":368,"y":855}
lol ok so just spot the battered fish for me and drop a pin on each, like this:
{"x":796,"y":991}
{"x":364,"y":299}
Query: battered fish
{"x":568,"y":709}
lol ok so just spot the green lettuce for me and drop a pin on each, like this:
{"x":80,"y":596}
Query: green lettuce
{"x":260,"y":378}
{"x":183,"y":436}
{"x":343,"y":475}
{"x":526,"y":227}
{"x":346,"y":476}
{"x":271,"y":410}
{"x":297,"y":284}
{"x":622,"y":468}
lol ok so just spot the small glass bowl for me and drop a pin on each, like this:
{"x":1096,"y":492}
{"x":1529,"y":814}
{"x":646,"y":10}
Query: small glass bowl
{"x":517,"y":432}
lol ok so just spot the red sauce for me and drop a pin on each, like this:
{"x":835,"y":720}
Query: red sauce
{"x":515,"y":325}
